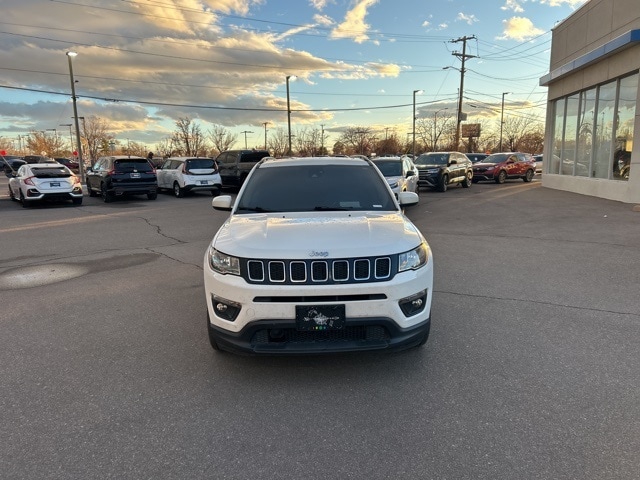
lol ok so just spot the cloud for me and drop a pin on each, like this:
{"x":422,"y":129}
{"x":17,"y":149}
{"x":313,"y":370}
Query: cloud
{"x":519,"y":28}
{"x":319,"y":4}
{"x":513,"y":5}
{"x":323,"y":20}
{"x":558,"y":3}
{"x":354,"y":26}
{"x":469,"y":19}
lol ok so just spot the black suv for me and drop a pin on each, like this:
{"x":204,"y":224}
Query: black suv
{"x":235,"y":165}
{"x":122,"y":175}
{"x":440,"y":169}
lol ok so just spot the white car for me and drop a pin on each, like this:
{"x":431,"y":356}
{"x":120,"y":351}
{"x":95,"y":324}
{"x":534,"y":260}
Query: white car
{"x":400,"y":172}
{"x":189,"y":174}
{"x":44,"y":181}
{"x":317,"y":256}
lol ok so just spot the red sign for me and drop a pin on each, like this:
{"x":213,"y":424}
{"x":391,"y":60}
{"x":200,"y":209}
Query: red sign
{"x":3,"y":152}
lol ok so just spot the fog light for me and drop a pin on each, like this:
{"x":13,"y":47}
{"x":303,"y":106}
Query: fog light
{"x":414,"y":304}
{"x":225,"y":309}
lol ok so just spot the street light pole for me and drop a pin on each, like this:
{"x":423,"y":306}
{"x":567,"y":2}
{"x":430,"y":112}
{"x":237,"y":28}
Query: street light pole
{"x":70,"y":55}
{"x":292,"y":78}
{"x":413,"y":148}
{"x":245,"y":138}
{"x":265,"y":134}
{"x":502,"y":117}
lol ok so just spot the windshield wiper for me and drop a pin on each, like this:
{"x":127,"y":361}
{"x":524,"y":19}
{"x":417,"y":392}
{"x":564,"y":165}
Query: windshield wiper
{"x":331,"y":209}
{"x":254,"y":209}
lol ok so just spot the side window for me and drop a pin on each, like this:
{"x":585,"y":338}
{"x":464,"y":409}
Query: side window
{"x":166,"y":165}
{"x":222,"y":159}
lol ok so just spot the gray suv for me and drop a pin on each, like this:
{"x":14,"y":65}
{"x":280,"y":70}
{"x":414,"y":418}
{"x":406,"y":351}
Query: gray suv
{"x":235,"y":165}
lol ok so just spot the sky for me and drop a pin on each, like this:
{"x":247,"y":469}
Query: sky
{"x":143,"y":64}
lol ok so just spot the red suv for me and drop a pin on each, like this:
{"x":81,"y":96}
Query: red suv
{"x":501,"y":166}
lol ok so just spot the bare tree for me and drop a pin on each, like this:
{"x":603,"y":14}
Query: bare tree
{"x":359,"y":140}
{"x":188,"y":138}
{"x":164,"y":148}
{"x":96,"y":138}
{"x":279,"y":142}
{"x":391,"y":145}
{"x":308,"y":142}
{"x":437,"y":132}
{"x":221,"y":138}
{"x":515,"y":129}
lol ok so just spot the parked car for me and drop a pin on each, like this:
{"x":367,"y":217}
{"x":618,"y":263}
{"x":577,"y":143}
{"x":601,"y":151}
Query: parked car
{"x":400,"y":172}
{"x":189,"y":174}
{"x":500,"y":166}
{"x":67,"y":162}
{"x":317,"y":256}
{"x":37,"y":159}
{"x":476,"y":157}
{"x":118,"y":175}
{"x":235,"y":165}
{"x":439,"y":170}
{"x":10,"y":164}
{"x":44,"y":181}
{"x":539,"y":162}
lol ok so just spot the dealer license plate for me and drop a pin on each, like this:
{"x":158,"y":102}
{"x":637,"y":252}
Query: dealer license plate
{"x":320,"y":317}
{"x":204,"y":182}
{"x":55,"y":184}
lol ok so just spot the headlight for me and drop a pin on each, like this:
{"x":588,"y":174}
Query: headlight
{"x":413,"y":259}
{"x":223,"y":263}
{"x":432,"y":170}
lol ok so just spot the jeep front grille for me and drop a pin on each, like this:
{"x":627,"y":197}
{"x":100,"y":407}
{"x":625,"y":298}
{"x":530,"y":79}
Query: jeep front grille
{"x":318,"y":272}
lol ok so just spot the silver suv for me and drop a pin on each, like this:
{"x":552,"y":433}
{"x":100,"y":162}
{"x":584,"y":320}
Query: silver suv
{"x":317,"y":256}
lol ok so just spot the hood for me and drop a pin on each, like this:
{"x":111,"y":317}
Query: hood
{"x":484,"y":165}
{"x":305,"y":235}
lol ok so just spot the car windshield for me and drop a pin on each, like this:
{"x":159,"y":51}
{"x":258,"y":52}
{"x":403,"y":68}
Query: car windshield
{"x":432,"y":159}
{"x":389,"y":168}
{"x":200,"y":163}
{"x":309,"y":188}
{"x":496,"y":158}
{"x":130,"y":165}
{"x":51,"y":172}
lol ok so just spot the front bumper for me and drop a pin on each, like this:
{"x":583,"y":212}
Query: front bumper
{"x":478,"y":176}
{"x":280,"y":337}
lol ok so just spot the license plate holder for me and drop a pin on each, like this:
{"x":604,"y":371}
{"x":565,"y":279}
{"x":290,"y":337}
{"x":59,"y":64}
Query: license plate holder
{"x":54,"y":184}
{"x":135,"y":175}
{"x":204,"y":182}
{"x":315,"y":318}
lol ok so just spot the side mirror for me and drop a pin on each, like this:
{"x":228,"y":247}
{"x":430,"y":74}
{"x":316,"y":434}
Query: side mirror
{"x":408,"y":199}
{"x":410,"y":173}
{"x":222,"y":202}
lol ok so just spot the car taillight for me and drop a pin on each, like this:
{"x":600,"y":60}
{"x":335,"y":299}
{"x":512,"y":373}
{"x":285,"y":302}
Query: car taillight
{"x":111,"y":172}
{"x":28,"y":181}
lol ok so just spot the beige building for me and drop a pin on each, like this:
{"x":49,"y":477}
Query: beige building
{"x":593,"y":93}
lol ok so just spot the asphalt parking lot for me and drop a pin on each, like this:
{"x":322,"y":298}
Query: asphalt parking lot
{"x":532,"y":370}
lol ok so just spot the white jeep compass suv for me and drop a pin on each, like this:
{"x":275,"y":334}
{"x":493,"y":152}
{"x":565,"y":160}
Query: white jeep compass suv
{"x":317,"y":256}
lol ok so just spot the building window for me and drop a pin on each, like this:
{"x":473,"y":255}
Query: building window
{"x":589,"y":138}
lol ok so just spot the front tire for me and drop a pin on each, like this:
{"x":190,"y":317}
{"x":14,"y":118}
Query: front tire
{"x":444,"y":183}
{"x":106,"y":196}
{"x":502,"y":176}
{"x":528,"y":176}
{"x":468,"y":180}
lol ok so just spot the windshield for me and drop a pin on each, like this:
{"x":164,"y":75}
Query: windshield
{"x":51,"y":172}
{"x":308,"y":188}
{"x":496,"y":158}
{"x":129,"y":165}
{"x":432,"y":159}
{"x":389,"y":168}
{"x":200,"y":164}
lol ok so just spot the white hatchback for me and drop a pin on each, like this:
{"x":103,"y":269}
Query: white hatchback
{"x":44,"y":181}
{"x":189,"y":174}
{"x":317,"y":256}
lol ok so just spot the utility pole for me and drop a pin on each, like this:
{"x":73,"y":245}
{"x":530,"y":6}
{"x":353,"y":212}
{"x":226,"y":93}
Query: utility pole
{"x":463,"y":56}
{"x":265,"y":134}
{"x":322,"y":139}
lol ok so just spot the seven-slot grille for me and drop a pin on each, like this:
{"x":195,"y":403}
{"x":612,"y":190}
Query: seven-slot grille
{"x":318,"y":272}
